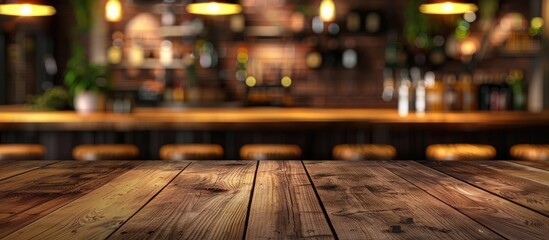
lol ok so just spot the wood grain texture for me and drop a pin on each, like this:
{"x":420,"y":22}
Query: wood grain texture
{"x":528,"y":193}
{"x":209,"y":200}
{"x":28,"y":197}
{"x":519,"y":170}
{"x":284,"y":204}
{"x":500,"y":215}
{"x":100,"y":212}
{"x":536,"y":164}
{"x":363,"y":200}
{"x":13,"y":168}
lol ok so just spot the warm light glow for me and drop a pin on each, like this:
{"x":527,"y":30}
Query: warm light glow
{"x":251,"y":81}
{"x":286,"y":81}
{"x":213,"y":8}
{"x":327,"y":10}
{"x":26,"y":10}
{"x":447,"y":8}
{"x":113,"y":10}
{"x":468,"y":47}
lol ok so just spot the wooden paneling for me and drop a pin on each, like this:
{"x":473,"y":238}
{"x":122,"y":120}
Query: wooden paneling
{"x":284,"y":205}
{"x":209,"y":200}
{"x":502,"y":216}
{"x":363,"y":200}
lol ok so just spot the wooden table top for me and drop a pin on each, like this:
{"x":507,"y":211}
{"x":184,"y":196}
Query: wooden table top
{"x":274,"y":200}
{"x":246,"y":118}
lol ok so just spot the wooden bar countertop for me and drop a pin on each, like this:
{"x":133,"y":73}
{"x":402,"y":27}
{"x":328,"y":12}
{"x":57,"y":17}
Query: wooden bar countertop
{"x":249,"y":118}
{"x":274,"y":200}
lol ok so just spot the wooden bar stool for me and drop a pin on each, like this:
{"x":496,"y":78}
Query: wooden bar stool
{"x":95,"y":152}
{"x":457,"y":152}
{"x":191,"y":152}
{"x":21,"y":151}
{"x":270,"y":152}
{"x":536,"y":152}
{"x":355,"y":152}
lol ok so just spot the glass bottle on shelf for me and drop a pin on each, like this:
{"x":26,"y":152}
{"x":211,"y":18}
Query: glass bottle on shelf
{"x":404,"y":93}
{"x":517,"y":89}
{"x":450,"y":94}
{"x":466,"y":90}
{"x":434,"y":93}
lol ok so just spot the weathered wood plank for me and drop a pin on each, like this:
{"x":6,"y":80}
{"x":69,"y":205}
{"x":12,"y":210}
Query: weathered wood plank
{"x":528,"y":193}
{"x":28,"y":197}
{"x":100,"y":212}
{"x":518,"y":170}
{"x":284,"y":204}
{"x":544,"y":165}
{"x":508,"y":219}
{"x":209,"y":200}
{"x":13,"y":168}
{"x":363,"y":201}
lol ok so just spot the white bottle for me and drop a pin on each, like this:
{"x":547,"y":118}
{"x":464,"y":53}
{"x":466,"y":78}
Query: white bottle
{"x":404,"y":94}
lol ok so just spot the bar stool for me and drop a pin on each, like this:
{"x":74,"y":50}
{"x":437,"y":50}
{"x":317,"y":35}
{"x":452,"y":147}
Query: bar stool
{"x":457,"y":152}
{"x":95,"y":152}
{"x":191,"y":152}
{"x":355,"y":152}
{"x":21,"y":151}
{"x":539,"y":152}
{"x":270,"y":152}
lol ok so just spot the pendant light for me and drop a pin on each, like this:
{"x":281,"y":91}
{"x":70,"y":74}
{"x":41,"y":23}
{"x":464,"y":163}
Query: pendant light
{"x":113,"y":10}
{"x":447,"y":7}
{"x":327,"y":10}
{"x":25,"y":8}
{"x":218,"y":7}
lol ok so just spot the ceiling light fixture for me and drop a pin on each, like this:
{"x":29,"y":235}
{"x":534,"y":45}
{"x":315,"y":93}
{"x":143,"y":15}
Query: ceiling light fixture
{"x":447,"y":7}
{"x":113,"y":10}
{"x":327,"y":10}
{"x":219,"y":7}
{"x":25,"y":8}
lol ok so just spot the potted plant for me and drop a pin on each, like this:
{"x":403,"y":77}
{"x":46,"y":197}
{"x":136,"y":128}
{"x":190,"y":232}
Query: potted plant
{"x":87,"y":82}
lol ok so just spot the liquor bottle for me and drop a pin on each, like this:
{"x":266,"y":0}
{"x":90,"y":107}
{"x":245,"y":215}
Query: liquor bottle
{"x":434,"y":93}
{"x":466,"y":90}
{"x":420,"y":102}
{"x":388,"y":85}
{"x":483,"y":91}
{"x":450,"y":93}
{"x":517,"y":89}
{"x":504,"y":93}
{"x":404,"y":93}
{"x":415,"y":74}
{"x":349,"y":58}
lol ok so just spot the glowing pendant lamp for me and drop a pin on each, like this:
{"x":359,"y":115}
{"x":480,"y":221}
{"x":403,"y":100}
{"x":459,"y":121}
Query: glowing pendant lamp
{"x":25,"y":8}
{"x":218,"y":7}
{"x":327,"y":10}
{"x":113,"y":10}
{"x":447,"y":7}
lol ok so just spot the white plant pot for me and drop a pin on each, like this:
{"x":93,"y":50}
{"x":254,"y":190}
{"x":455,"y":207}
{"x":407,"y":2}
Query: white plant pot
{"x":89,"y":102}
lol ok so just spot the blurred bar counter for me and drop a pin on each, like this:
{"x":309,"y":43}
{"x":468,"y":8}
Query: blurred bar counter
{"x":16,"y":117}
{"x":315,"y":130}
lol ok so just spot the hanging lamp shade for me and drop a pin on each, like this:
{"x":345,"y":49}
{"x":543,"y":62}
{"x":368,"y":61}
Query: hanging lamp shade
{"x":218,"y":7}
{"x":447,"y":7}
{"x":26,"y":8}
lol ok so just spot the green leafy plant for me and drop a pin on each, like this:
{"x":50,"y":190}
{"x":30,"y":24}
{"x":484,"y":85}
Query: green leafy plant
{"x":81,"y":74}
{"x":55,"y":98}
